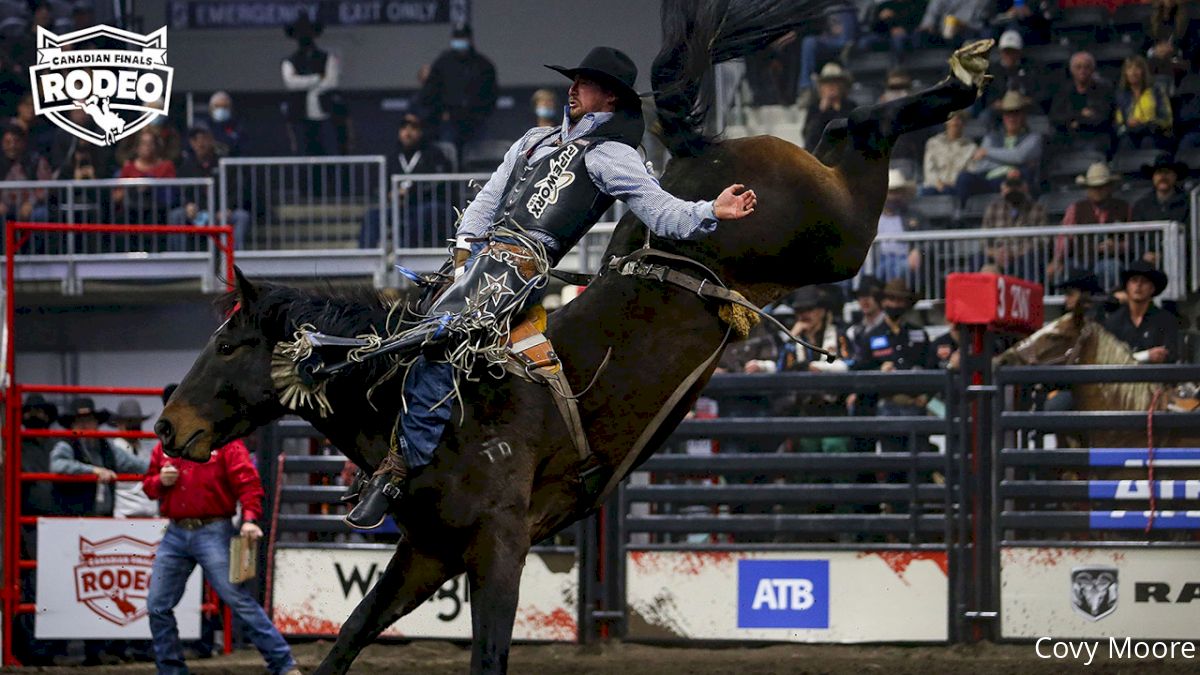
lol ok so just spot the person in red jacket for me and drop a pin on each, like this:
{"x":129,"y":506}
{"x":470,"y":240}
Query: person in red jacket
{"x":200,"y":500}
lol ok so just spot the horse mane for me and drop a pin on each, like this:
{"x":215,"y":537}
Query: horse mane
{"x":696,"y":35}
{"x":1109,"y":350}
{"x":279,"y":311}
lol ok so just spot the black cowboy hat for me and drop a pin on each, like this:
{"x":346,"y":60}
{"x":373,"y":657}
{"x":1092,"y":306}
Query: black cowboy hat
{"x":611,"y":68}
{"x":831,"y":297}
{"x":1164,"y":161}
{"x":1141,"y":268}
{"x":130,"y":410}
{"x":303,"y":27}
{"x":461,"y":30}
{"x":1083,"y":280}
{"x":39,"y":402}
{"x":82,"y":407}
{"x":808,"y":297}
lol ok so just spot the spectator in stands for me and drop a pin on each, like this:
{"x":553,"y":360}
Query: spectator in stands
{"x":225,"y":127}
{"x":422,"y":205}
{"x":841,"y":31}
{"x":202,"y":161}
{"x":546,"y":109}
{"x":1013,"y":73}
{"x":37,"y":499}
{"x":1168,"y":201}
{"x":148,"y":160}
{"x":1188,"y":121}
{"x":1143,"y":112}
{"x":949,"y":23}
{"x":1098,"y":208}
{"x":1080,"y":290}
{"x":130,"y":500}
{"x":95,"y":456}
{"x":200,"y":500}
{"x":898,"y":84}
{"x":1170,"y":38}
{"x":1082,"y":111}
{"x":1027,"y":17}
{"x":944,"y":350}
{"x":170,"y":142}
{"x":947,"y":155}
{"x":460,"y":94}
{"x":38,"y":132}
{"x":1152,"y":333}
{"x":892,"y":23}
{"x":773,"y":73}
{"x":18,"y":163}
{"x":897,"y":259}
{"x":1012,"y":148}
{"x":817,"y":324}
{"x":13,"y":83}
{"x":312,"y":74}
{"x":894,"y":345}
{"x":1015,"y":207}
{"x":831,"y":102}
{"x":73,"y":158}
{"x":24,"y":48}
{"x":869,"y":295}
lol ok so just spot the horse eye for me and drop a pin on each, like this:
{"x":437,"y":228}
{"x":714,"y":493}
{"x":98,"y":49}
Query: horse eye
{"x":225,"y":348}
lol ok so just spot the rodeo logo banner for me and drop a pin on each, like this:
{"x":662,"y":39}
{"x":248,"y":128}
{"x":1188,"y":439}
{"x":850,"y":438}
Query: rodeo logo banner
{"x":118,"y":90}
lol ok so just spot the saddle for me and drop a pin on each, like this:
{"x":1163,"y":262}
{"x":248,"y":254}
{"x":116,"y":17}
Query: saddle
{"x":531,"y":357}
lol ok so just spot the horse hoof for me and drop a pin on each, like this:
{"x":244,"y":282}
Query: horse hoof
{"x":969,"y":63}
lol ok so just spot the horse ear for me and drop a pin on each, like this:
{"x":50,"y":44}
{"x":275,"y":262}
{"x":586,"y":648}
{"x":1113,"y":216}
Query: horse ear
{"x":246,"y":292}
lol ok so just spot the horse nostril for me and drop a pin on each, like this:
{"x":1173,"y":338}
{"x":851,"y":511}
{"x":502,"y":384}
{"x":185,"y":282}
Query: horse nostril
{"x":165,"y":431}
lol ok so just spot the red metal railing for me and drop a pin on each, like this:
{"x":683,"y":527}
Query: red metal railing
{"x":10,"y":593}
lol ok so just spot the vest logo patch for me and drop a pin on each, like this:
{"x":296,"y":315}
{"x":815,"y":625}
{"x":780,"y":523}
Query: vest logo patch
{"x":546,"y":190}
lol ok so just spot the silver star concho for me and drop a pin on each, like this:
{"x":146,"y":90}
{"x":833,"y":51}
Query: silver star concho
{"x":495,"y":288}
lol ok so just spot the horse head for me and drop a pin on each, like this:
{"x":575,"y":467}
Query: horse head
{"x":228,"y":392}
{"x":1058,"y":342}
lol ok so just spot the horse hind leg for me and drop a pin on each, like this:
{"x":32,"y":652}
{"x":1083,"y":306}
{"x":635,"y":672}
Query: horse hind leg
{"x":411,"y":578}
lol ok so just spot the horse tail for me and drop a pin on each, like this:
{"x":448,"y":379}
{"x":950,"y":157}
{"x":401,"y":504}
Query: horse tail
{"x":697,"y":34}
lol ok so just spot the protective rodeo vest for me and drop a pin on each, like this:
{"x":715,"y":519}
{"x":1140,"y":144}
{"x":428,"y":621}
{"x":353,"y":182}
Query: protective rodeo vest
{"x":555,"y":196}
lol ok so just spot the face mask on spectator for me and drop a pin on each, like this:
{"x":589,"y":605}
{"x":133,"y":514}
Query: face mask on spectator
{"x":32,"y":421}
{"x":221,"y":114}
{"x":460,"y":44}
{"x":895,"y":313}
{"x":1015,"y":197}
{"x":545,"y":112}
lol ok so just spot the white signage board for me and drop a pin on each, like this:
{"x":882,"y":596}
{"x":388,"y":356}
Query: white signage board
{"x":315,"y":590}
{"x":782,"y":596}
{"x":93,"y":578}
{"x":1100,"y":592}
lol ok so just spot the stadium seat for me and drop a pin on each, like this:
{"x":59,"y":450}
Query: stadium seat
{"x":939,"y":210}
{"x":1129,"y":21}
{"x":1049,"y":57}
{"x":974,"y":208}
{"x":1082,"y":25}
{"x":927,"y":65}
{"x":1063,"y":168}
{"x":1111,"y":54}
{"x":1130,"y":162}
{"x":451,"y":154}
{"x":871,"y":66}
{"x":484,"y":155}
{"x":1039,"y":124}
{"x":1191,"y":158}
{"x":1056,"y":203}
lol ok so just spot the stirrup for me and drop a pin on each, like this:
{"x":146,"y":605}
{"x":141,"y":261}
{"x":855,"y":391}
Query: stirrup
{"x":372,"y":508}
{"x":357,"y":485}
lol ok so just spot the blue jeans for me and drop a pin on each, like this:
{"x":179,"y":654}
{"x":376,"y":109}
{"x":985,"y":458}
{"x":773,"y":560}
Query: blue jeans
{"x":177,"y":556}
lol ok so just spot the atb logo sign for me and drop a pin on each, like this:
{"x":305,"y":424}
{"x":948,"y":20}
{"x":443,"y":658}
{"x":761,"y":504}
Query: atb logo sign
{"x":114,"y":87}
{"x":783,"y":594}
{"x":113,"y":577}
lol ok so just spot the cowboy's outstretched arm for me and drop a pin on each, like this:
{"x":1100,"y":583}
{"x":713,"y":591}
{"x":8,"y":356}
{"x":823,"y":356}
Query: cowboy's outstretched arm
{"x":617,"y":170}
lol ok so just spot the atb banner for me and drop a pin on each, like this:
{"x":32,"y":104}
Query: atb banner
{"x":93,"y":578}
{"x":315,"y":589}
{"x":193,"y":14}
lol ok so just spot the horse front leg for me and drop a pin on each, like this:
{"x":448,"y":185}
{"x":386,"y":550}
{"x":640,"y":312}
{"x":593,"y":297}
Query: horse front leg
{"x":410,"y":578}
{"x":494,"y":564}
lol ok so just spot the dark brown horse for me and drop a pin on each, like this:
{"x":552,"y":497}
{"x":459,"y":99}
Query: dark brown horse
{"x":508,"y":474}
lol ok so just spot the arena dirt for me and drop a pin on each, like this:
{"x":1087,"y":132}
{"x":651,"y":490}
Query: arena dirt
{"x":441,"y":658}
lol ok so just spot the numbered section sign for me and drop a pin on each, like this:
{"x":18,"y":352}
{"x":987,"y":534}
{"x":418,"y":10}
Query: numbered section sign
{"x":1002,"y":303}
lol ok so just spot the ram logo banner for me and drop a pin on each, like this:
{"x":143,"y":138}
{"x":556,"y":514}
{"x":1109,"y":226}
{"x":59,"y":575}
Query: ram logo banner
{"x":117,"y":90}
{"x":783,"y":594}
{"x":1094,"y":591}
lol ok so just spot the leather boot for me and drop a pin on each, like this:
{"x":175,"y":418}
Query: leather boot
{"x":385,"y":487}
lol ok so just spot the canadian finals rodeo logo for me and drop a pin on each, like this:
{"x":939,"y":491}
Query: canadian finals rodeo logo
{"x":114,"y":87}
{"x":113,"y":577}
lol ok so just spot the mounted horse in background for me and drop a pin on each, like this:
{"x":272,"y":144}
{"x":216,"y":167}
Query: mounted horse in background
{"x":507,"y":475}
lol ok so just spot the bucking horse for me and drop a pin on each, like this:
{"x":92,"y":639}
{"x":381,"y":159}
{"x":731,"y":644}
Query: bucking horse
{"x":637,"y":347}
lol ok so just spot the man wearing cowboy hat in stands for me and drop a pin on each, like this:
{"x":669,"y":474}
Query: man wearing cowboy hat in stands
{"x":95,"y":456}
{"x":897,"y":259}
{"x":1098,"y":208}
{"x":830,"y":103}
{"x":312,"y":73}
{"x":131,"y":500}
{"x":1011,"y":150}
{"x":511,"y":230}
{"x":1168,"y":201}
{"x":1151,"y":333}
